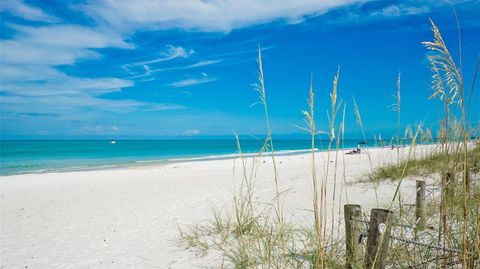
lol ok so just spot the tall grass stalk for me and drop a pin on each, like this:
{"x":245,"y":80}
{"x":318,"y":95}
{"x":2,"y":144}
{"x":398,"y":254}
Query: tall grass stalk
{"x":260,"y":88}
{"x":335,"y":106}
{"x":310,"y":121}
{"x":398,"y":110}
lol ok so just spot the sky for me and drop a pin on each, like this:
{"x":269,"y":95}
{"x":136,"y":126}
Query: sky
{"x":186,"y":69}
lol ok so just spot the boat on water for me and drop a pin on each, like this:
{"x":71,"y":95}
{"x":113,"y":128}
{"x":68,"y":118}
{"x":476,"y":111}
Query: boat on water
{"x":113,"y":141}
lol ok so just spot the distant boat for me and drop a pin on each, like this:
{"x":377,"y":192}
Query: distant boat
{"x":113,"y":141}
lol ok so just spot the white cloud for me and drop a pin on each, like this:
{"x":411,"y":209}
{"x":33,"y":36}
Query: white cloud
{"x":147,"y":70}
{"x":204,"y":63}
{"x":191,"y":82}
{"x":190,"y":66}
{"x":170,"y":53}
{"x":33,"y":83}
{"x":57,"y":44}
{"x":22,"y":10}
{"x":11,"y":73}
{"x":69,"y":36}
{"x":400,"y":10}
{"x":209,"y":16}
{"x":97,"y":130}
{"x":191,"y":132}
{"x":75,"y":107}
{"x":18,"y":52}
{"x":41,"y":80}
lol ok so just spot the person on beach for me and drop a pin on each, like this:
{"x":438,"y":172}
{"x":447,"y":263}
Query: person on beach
{"x":358,"y":150}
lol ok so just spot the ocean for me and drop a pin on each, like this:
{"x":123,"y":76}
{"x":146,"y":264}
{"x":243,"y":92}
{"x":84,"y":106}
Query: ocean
{"x":36,"y":156}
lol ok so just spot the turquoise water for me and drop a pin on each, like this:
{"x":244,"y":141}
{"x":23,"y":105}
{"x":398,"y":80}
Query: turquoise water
{"x":21,"y":156}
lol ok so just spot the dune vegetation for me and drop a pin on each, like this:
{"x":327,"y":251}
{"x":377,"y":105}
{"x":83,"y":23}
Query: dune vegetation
{"x":253,"y":235}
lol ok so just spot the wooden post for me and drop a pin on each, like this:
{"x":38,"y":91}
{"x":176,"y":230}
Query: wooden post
{"x":353,"y":231}
{"x":378,"y":238}
{"x":420,"y":209}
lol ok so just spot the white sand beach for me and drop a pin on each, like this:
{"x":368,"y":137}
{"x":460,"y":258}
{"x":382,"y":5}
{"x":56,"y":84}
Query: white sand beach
{"x":129,"y":217}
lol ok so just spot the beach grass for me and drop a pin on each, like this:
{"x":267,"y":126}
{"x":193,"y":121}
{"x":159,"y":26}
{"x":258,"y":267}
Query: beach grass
{"x":253,"y":235}
{"x":428,"y":165}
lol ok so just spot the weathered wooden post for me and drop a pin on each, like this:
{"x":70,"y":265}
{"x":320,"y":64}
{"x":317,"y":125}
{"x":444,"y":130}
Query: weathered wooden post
{"x":378,"y":238}
{"x":353,"y":231}
{"x":420,"y":209}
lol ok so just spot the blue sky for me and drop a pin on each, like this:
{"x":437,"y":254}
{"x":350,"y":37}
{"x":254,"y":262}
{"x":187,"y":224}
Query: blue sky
{"x":153,"y":69}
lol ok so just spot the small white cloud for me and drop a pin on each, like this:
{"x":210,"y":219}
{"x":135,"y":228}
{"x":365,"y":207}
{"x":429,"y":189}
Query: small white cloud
{"x":24,"y":11}
{"x":391,"y":11}
{"x":204,"y":63}
{"x":191,"y":82}
{"x":191,"y":132}
{"x":98,"y":130}
{"x":160,"y":107}
{"x":170,"y":53}
{"x":400,"y":10}
{"x":178,"y":51}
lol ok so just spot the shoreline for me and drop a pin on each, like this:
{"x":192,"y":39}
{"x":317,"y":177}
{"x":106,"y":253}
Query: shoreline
{"x":156,"y":162}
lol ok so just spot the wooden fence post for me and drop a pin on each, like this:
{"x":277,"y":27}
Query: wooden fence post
{"x":420,"y":209}
{"x":378,"y":238}
{"x":353,"y":231}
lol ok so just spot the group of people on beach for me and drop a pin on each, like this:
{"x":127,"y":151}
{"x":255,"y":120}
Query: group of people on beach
{"x":358,"y":150}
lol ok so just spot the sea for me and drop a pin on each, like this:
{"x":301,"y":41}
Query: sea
{"x":39,"y":156}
